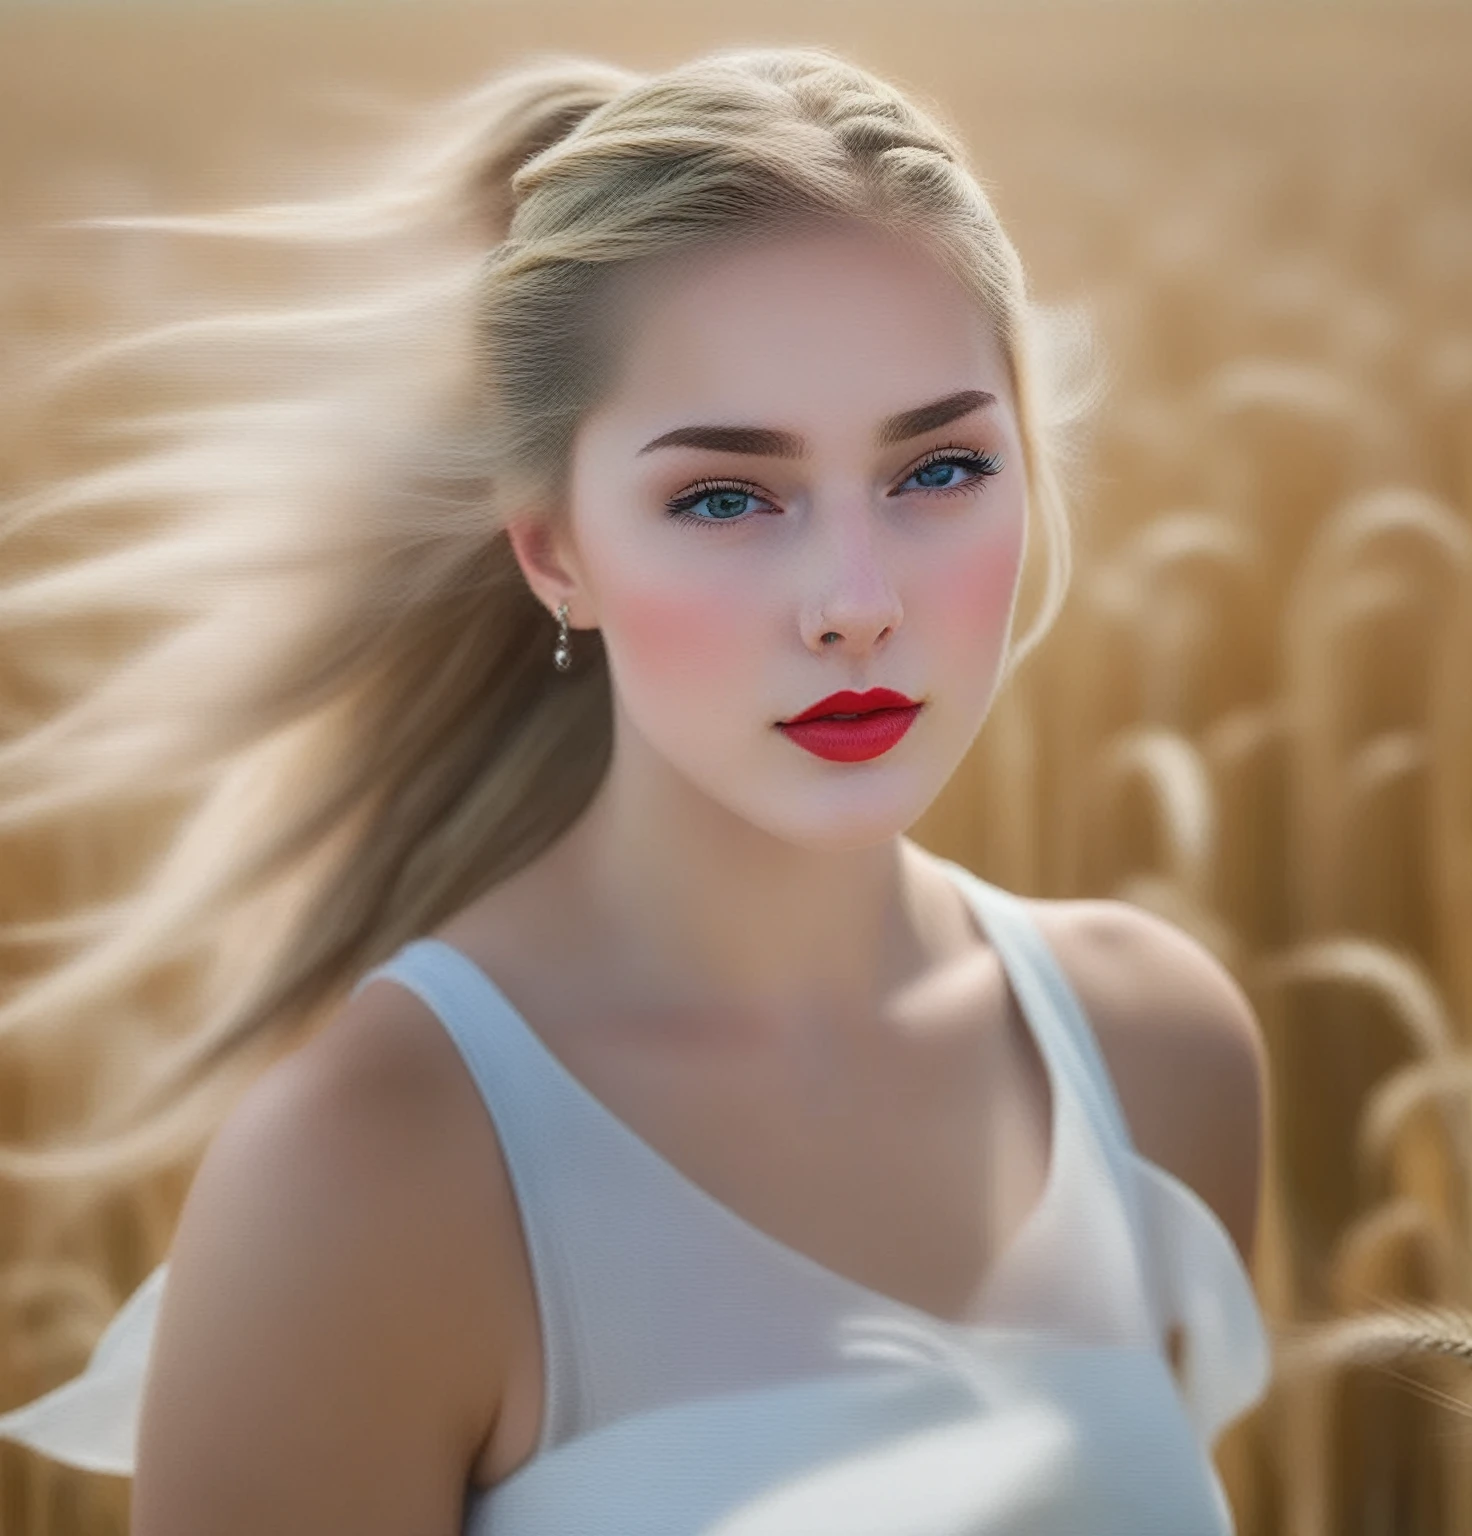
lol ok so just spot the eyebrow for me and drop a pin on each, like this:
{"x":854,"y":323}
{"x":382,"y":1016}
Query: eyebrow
{"x":926,"y":418}
{"x":770,"y":443}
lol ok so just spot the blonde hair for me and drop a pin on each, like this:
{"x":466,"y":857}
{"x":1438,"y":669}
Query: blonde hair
{"x":357,"y":705}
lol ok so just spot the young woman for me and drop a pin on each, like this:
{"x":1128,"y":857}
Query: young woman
{"x":694,"y":1152}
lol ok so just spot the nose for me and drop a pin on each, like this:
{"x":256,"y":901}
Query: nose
{"x":857,"y":607}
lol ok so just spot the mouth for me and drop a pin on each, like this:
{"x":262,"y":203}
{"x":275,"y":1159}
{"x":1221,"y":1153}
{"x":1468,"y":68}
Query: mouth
{"x":848,"y":705}
{"x":849,"y":727}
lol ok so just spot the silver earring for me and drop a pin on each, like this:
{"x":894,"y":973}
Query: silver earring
{"x":562,"y":656}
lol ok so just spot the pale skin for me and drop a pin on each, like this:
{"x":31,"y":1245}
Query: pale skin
{"x":769,"y":982}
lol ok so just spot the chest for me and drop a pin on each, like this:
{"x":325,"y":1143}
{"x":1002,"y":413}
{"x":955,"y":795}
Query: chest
{"x":902,"y":1154}
{"x":899,"y":1152}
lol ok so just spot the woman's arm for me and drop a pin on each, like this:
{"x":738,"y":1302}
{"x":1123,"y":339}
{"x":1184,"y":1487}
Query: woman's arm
{"x":324,"y":1362}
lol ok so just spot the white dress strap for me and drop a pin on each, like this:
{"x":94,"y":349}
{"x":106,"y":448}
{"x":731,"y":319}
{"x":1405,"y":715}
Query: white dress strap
{"x":1193,"y":1276}
{"x":1050,"y":1001}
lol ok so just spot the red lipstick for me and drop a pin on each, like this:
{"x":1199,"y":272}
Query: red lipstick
{"x":866,"y":724}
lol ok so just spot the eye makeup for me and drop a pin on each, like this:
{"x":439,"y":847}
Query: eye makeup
{"x":681,"y":508}
{"x":982,"y":466}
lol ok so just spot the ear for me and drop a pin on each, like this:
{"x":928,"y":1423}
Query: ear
{"x":549,"y":562}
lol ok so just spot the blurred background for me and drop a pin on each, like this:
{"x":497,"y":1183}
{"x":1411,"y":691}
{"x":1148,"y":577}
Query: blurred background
{"x":1254,"y":717}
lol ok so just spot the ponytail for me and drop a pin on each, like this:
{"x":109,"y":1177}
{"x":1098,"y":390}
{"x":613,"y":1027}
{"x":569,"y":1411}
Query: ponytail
{"x":357,"y":707}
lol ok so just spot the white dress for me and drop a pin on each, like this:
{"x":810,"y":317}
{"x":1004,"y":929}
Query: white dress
{"x":705,"y":1379}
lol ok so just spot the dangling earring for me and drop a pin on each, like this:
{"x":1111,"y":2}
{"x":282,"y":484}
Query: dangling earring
{"x":562,"y":656}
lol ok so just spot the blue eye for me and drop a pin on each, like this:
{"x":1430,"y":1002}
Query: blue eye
{"x":943,"y":471}
{"x":721,"y":503}
{"x":724,"y":504}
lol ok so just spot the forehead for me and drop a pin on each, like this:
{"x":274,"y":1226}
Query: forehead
{"x":846,"y":320}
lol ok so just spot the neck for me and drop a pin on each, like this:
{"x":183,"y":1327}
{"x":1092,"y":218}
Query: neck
{"x":696,"y":903}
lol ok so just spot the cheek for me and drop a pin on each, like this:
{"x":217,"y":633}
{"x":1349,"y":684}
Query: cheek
{"x":970,"y":595}
{"x":667,"y":638}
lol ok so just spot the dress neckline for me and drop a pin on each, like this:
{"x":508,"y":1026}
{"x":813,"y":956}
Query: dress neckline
{"x":973,"y":889}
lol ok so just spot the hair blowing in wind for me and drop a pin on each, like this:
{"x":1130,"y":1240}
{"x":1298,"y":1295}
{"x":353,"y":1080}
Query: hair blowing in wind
{"x":345,"y":699}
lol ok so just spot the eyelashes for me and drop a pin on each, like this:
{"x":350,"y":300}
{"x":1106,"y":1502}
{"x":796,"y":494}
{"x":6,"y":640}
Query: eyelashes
{"x":979,"y":468}
{"x":681,"y":507}
{"x":982,"y":465}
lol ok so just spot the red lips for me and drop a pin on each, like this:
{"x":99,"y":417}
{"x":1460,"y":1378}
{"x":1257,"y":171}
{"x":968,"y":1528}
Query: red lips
{"x":847,"y":702}
{"x":850,"y":727}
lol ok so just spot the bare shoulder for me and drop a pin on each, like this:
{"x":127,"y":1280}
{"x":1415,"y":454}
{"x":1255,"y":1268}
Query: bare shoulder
{"x":322,"y":1357}
{"x":1181,"y":1042}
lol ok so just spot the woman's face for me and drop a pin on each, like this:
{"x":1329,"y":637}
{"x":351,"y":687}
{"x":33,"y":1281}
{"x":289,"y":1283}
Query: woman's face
{"x":808,"y":435}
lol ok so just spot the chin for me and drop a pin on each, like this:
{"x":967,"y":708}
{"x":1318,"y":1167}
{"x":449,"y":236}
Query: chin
{"x":839,"y":818}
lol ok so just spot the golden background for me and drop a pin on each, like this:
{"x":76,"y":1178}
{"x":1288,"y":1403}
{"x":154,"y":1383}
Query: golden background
{"x":1255,"y":715}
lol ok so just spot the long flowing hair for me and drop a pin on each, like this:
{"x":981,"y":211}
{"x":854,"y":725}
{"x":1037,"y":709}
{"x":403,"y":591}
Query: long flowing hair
{"x":346,"y":683}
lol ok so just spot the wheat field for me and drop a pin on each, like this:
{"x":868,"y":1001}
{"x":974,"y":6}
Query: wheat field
{"x":1254,"y":716}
